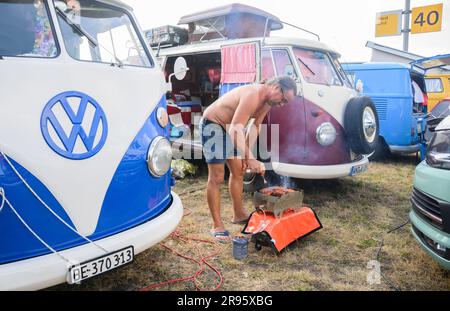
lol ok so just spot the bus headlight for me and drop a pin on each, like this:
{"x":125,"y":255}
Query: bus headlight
{"x":326,"y":134}
{"x":162,"y":117}
{"x":159,"y":156}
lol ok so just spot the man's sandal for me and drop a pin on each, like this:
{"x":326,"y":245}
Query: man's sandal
{"x":221,"y":236}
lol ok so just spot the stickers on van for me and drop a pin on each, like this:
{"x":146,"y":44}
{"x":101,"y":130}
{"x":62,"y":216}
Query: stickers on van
{"x":74,"y":125}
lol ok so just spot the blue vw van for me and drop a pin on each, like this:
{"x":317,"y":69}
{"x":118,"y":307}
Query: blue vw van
{"x":399,"y":94}
{"x":85,"y":158}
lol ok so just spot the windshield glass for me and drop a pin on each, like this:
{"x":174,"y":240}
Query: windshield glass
{"x":316,"y":67}
{"x":100,"y":33}
{"x":25,"y":29}
{"x":440,"y":142}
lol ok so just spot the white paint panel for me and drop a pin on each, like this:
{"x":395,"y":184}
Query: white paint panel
{"x":333,"y":99}
{"x":127,"y":95}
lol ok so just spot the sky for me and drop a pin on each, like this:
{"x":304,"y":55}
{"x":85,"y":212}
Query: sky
{"x":345,"y":25}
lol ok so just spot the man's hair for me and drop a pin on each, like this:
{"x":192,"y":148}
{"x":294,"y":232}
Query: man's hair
{"x":286,"y":83}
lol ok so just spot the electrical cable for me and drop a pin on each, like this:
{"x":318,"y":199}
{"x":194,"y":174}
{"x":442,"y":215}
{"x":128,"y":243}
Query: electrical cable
{"x":202,"y":261}
{"x":392,"y":285}
{"x":47,"y":207}
{"x":2,"y":194}
{"x":34,"y":233}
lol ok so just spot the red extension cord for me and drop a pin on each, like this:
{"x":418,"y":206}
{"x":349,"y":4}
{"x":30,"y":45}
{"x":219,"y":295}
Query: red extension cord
{"x":201,"y":261}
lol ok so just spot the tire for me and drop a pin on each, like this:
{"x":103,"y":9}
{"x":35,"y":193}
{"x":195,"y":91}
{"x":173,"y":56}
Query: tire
{"x":381,"y":151}
{"x":361,"y":125}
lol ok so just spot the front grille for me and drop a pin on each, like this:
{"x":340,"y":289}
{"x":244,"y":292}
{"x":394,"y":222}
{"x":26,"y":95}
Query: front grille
{"x":427,"y":207}
{"x":431,"y":245}
{"x":381,"y":105}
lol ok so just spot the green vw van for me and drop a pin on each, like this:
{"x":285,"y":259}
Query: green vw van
{"x":430,"y":200}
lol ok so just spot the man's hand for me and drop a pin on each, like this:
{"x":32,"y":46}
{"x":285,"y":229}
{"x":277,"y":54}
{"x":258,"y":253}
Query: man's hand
{"x":73,"y":5}
{"x":256,"y":167}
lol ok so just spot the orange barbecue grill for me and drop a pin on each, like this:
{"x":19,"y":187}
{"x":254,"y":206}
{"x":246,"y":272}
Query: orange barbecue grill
{"x":280,"y":218}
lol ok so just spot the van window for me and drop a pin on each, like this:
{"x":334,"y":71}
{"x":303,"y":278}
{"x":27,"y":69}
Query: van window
{"x":344,"y":77}
{"x":101,"y":33}
{"x":267,"y":70}
{"x":316,"y":67}
{"x":283,"y":63}
{"x":25,"y":29}
{"x":434,"y":85}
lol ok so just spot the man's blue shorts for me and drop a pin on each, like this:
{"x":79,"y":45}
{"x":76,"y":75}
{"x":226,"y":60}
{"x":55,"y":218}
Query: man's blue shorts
{"x":216,"y":142}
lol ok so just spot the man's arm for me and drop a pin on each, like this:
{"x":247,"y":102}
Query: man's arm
{"x":255,"y":129}
{"x":246,"y":107}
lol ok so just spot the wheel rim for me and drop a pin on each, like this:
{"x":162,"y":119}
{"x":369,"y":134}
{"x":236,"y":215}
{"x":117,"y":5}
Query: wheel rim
{"x":369,"y":125}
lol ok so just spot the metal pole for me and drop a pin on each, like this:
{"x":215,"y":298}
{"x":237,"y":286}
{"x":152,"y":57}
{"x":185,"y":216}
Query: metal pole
{"x":406,"y":30}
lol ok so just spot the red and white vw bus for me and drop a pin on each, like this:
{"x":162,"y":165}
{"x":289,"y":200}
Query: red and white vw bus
{"x":325,"y":133}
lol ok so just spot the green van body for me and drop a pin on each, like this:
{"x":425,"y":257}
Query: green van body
{"x":432,"y":186}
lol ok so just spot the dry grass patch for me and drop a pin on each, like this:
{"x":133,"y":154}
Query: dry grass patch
{"x":356,"y":214}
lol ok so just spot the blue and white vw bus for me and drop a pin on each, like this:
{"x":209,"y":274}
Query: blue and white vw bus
{"x":85,"y":179}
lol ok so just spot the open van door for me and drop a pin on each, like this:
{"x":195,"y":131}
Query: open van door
{"x":425,"y":64}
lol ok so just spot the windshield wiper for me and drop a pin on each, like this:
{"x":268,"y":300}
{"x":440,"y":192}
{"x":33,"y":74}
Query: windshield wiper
{"x":91,"y":39}
{"x":307,"y":67}
{"x":77,"y":27}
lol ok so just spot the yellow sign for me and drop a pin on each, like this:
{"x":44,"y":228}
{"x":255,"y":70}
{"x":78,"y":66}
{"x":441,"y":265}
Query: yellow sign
{"x":426,"y":18}
{"x":389,"y":24}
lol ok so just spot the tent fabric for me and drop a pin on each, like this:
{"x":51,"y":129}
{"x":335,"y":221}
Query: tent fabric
{"x":239,"y":64}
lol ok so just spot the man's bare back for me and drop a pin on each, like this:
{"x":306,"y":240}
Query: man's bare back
{"x":223,"y":110}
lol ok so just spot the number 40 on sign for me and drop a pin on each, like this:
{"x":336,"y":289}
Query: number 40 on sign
{"x":426,"y":19}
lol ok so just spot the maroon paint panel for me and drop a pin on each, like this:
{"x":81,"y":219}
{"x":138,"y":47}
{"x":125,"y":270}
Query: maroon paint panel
{"x":338,"y":152}
{"x":298,"y":122}
{"x":292,"y":128}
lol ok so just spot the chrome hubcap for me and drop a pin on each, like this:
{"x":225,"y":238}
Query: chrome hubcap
{"x":369,"y":124}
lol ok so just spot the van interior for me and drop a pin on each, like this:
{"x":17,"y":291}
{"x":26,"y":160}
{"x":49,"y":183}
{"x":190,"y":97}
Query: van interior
{"x":190,"y":96}
{"x":420,"y":99}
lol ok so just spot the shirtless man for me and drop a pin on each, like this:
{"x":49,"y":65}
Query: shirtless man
{"x":224,"y":141}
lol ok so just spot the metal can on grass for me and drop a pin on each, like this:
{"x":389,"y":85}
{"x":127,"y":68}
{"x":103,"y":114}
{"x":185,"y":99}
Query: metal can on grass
{"x":240,"y":247}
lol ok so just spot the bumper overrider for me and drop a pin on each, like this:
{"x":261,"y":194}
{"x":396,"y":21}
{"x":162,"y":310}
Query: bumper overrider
{"x":322,"y":171}
{"x":49,"y":270}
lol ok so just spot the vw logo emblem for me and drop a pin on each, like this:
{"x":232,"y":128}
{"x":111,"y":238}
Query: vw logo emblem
{"x":74,"y":125}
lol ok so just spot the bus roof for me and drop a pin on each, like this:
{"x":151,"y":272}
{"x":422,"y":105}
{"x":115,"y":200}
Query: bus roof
{"x":375,"y":66}
{"x":216,"y":45}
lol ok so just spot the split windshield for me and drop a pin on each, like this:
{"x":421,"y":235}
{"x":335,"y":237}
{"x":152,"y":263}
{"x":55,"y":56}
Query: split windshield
{"x":316,"y":67}
{"x":25,"y":29}
{"x":101,"y":33}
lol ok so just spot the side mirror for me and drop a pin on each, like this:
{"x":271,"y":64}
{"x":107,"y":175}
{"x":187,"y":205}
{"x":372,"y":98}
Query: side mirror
{"x":180,"y":70}
{"x":289,"y":71}
{"x":360,"y":86}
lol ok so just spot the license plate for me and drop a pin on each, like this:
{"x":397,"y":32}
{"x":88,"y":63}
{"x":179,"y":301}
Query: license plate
{"x":358,"y":169}
{"x":94,"y":267}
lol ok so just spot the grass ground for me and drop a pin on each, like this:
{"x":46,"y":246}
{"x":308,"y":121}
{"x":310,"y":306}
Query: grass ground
{"x":355,"y":212}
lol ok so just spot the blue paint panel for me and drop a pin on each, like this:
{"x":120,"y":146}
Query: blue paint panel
{"x":389,"y":87}
{"x":134,"y":197}
{"x":227,"y":87}
{"x":15,"y":240}
{"x":134,"y":194}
